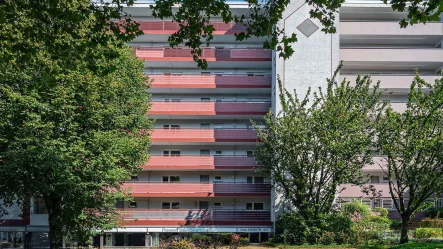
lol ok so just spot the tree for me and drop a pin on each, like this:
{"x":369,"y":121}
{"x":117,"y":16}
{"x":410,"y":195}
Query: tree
{"x":73,"y":99}
{"x":262,"y":19}
{"x":412,"y":143}
{"x":309,"y":149}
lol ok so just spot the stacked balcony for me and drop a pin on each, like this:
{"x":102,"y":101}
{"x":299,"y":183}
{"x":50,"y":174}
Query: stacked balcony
{"x":191,"y":189}
{"x":169,"y":27}
{"x":203,"y":136}
{"x":199,"y":162}
{"x":189,"y":217}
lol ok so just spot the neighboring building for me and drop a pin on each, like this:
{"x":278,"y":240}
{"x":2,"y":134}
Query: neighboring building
{"x":200,"y":177}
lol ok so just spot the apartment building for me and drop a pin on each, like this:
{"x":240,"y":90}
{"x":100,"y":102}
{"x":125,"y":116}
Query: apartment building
{"x":201,"y":176}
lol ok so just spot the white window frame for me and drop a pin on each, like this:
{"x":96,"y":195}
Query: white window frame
{"x":169,"y":178}
{"x":132,"y":206}
{"x":172,"y":100}
{"x":253,"y":205}
{"x":218,"y":180}
{"x":216,"y":154}
{"x":214,"y":206}
{"x":170,"y":205}
{"x":170,"y":152}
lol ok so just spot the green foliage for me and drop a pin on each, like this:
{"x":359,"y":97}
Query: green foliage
{"x":244,"y":242}
{"x":419,"y":245}
{"x":181,"y":244}
{"x":328,"y":229}
{"x":308,"y":162}
{"x":435,"y":212}
{"x":412,"y":143}
{"x":382,"y":211}
{"x":356,"y":209}
{"x":427,"y":233}
{"x":262,"y":20}
{"x":432,"y":223}
{"x":73,"y":99}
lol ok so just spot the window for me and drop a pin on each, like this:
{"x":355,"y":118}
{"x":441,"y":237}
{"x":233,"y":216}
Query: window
{"x":171,"y":153}
{"x":205,"y":99}
{"x":134,"y":177}
{"x":205,"y":126}
{"x":375,"y":179}
{"x":255,"y":179}
{"x":385,"y":179}
{"x":170,"y":205}
{"x":218,"y":100}
{"x":175,"y":205}
{"x":217,"y":205}
{"x":250,"y":153}
{"x":172,"y":100}
{"x":175,"y":153}
{"x":218,"y":178}
{"x":174,"y":127}
{"x":171,"y":179}
{"x":218,"y":153}
{"x":166,"y":205}
{"x":254,"y":206}
{"x":132,"y":204}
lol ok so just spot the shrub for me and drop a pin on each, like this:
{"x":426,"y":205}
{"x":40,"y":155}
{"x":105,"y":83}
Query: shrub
{"x":291,"y":229}
{"x":327,"y":238}
{"x":427,"y":233}
{"x":432,"y":223}
{"x":202,"y":241}
{"x":356,"y":210}
{"x":244,"y":242}
{"x":383,"y":211}
{"x":235,"y":241}
{"x":435,"y":212}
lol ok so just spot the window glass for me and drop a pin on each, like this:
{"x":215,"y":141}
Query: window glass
{"x":217,"y":204}
{"x":258,"y":206}
{"x":175,"y":205}
{"x":249,"y":206}
{"x":166,"y":205}
{"x":217,"y":178}
{"x":165,"y":179}
{"x":375,"y":179}
{"x":218,"y":153}
{"x":174,"y":178}
{"x":175,"y":153}
{"x":132,"y":204}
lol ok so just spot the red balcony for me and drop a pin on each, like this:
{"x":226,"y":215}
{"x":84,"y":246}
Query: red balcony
{"x":155,"y":189}
{"x":203,"y":135}
{"x":209,"y":108}
{"x":169,"y":27}
{"x":210,"y":54}
{"x":200,"y":162}
{"x":210,"y":81}
{"x":196,"y":217}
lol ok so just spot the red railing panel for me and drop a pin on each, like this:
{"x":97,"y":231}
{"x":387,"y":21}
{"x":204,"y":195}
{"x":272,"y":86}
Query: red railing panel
{"x":208,"y":108}
{"x":203,"y":135}
{"x":200,"y":162}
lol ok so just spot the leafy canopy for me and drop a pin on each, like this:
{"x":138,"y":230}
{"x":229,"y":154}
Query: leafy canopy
{"x":262,"y":20}
{"x":310,"y":148}
{"x":412,"y":143}
{"x":72,"y":100}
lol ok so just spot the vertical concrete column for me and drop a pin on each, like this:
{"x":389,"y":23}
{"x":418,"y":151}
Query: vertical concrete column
{"x":102,"y":244}
{"x":315,"y":58}
{"x":147,"y":240}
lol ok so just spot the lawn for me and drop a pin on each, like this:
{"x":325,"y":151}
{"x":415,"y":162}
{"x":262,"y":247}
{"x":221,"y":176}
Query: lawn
{"x":415,"y":245}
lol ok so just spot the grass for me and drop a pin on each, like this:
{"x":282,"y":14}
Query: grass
{"x":411,"y":245}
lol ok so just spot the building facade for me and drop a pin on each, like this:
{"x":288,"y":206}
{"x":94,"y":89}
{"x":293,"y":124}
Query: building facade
{"x":201,"y":175}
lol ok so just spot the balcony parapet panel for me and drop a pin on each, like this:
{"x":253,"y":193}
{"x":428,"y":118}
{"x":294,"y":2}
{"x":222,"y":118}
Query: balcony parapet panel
{"x":203,"y":135}
{"x":196,"y":217}
{"x":209,"y":108}
{"x":210,"y":81}
{"x":170,"y":27}
{"x":160,"y":189}
{"x":210,"y":54}
{"x":198,"y":162}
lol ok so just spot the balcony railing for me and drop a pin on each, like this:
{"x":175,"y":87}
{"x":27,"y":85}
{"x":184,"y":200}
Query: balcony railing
{"x":211,"y":81}
{"x":203,"y":135}
{"x":210,"y":54}
{"x":169,"y":27}
{"x":184,"y":162}
{"x":198,"y":216}
{"x":209,"y":108}
{"x":153,"y":189}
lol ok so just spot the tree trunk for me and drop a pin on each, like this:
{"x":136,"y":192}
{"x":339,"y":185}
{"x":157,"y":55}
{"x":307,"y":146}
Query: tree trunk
{"x":404,"y":230}
{"x":55,"y":233}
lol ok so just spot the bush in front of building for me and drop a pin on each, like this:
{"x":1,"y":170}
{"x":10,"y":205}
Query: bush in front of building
{"x":435,"y":212}
{"x":428,"y":233}
{"x":431,"y":223}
